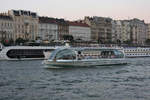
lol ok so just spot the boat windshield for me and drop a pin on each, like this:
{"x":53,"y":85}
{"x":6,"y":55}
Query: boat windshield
{"x":64,"y":54}
{"x":54,"y":53}
{"x":118,"y":54}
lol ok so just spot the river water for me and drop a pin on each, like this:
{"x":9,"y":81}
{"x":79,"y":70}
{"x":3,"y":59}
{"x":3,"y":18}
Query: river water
{"x":28,"y":80}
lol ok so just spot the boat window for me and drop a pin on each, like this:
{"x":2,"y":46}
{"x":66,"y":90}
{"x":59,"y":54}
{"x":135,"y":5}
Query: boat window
{"x":118,"y":54}
{"x":107,"y":54}
{"x":112,"y":54}
{"x":25,"y":53}
{"x":66,"y":54}
{"x":54,"y":53}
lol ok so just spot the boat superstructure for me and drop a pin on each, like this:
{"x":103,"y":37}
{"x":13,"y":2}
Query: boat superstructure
{"x":24,"y":52}
{"x":75,"y":57}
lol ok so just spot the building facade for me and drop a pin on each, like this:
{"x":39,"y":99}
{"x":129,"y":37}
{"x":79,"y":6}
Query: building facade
{"x":101,"y":28}
{"x":148,"y":31}
{"x":93,"y":26}
{"x":29,"y":26}
{"x":122,"y":31}
{"x":126,"y":31}
{"x":25,"y":24}
{"x":63,"y":28}
{"x":114,"y":35}
{"x":48,"y":29}
{"x":80,"y":31}
{"x":138,"y":31}
{"x":6,"y":27}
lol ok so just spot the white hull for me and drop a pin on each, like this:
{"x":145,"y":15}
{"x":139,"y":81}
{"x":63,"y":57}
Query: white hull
{"x":84,"y":63}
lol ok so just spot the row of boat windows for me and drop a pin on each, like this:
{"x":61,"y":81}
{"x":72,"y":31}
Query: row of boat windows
{"x":68,"y":57}
{"x":23,"y":53}
{"x":71,"y":57}
{"x":97,"y":56}
{"x":138,"y":50}
{"x":139,"y":54}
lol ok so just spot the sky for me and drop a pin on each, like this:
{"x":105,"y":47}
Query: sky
{"x":77,"y":9}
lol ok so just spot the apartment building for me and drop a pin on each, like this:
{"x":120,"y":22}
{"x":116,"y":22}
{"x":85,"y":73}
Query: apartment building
{"x":48,"y":29}
{"x":138,"y":31}
{"x":148,"y":31}
{"x":25,"y":24}
{"x":6,"y":27}
{"x":80,"y":31}
{"x":101,"y":28}
{"x":63,"y":28}
{"x":122,"y":30}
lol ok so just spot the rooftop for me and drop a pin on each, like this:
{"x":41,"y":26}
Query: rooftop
{"x":5,"y":17}
{"x":78,"y":24}
{"x":47,"y":20}
{"x":51,"y":20}
{"x":24,"y":12}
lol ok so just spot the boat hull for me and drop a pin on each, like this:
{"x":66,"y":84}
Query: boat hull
{"x":84,"y":63}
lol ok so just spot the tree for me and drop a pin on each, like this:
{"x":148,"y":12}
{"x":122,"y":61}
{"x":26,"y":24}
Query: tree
{"x":3,"y":41}
{"x":10,"y":42}
{"x":109,"y":42}
{"x":147,"y":41}
{"x":20,"y":40}
{"x":38,"y":38}
{"x":128,"y":42}
{"x":118,"y":41}
{"x":100,"y":41}
{"x":68,"y":37}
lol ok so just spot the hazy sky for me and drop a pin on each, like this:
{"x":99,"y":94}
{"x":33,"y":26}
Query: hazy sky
{"x":77,"y":9}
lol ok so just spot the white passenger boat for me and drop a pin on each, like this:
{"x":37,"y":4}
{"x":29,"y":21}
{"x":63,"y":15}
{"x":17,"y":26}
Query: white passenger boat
{"x":87,"y":57}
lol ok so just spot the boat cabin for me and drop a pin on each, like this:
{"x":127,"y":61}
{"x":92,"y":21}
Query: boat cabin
{"x":80,"y":54}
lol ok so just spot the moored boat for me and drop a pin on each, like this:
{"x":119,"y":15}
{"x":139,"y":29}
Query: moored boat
{"x":87,"y":57}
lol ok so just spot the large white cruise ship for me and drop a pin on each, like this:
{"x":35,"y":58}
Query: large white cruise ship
{"x":43,"y":52}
